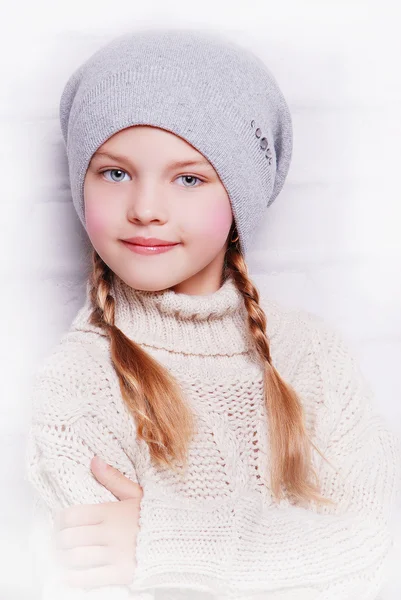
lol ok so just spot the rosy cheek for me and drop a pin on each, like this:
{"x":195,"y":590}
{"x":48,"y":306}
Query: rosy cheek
{"x":96,"y":223}
{"x":221,"y":221}
{"x":217,"y":225}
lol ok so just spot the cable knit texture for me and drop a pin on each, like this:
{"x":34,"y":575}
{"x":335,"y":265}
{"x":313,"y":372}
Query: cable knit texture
{"x":217,"y":532}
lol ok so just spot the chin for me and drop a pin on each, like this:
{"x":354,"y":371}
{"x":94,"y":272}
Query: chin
{"x":169,"y":276}
{"x":147,"y":283}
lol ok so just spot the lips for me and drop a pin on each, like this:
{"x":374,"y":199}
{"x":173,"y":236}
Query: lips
{"x":140,"y":249}
{"x":149,"y":245}
{"x":149,"y":242}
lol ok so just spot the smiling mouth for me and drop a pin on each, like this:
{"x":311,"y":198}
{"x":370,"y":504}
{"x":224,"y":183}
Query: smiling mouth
{"x":139,"y":249}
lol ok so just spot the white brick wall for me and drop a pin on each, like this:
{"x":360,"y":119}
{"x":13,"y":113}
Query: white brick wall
{"x":330,"y":243}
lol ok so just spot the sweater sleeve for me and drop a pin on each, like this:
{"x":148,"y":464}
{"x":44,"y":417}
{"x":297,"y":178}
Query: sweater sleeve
{"x":60,"y":445}
{"x":179,"y":547}
{"x":342,"y":551}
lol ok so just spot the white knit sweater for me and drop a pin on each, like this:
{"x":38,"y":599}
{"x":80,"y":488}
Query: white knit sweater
{"x":218,"y":533}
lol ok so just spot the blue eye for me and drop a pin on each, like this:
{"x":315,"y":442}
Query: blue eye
{"x":114,"y":171}
{"x":190,"y":177}
{"x":121,"y":172}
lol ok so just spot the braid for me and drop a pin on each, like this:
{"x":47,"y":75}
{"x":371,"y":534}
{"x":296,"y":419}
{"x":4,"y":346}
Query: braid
{"x":146,"y":386}
{"x":289,"y":442}
{"x":101,"y":280}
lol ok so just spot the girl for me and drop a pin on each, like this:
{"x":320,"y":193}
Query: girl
{"x":262,"y":470}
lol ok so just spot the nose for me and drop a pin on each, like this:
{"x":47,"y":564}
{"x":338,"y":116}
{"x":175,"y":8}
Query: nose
{"x":146,"y":206}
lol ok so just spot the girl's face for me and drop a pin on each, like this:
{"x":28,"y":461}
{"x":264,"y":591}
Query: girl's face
{"x":138,"y":191}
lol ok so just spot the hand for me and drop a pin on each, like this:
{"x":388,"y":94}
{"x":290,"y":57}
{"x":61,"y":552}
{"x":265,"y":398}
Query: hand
{"x":97,"y":542}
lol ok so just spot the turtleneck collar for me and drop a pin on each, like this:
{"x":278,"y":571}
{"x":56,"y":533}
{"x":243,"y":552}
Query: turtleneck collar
{"x":208,"y":325}
{"x":227,"y":300}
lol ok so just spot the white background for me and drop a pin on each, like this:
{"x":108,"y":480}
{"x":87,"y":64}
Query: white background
{"x":330,"y":243}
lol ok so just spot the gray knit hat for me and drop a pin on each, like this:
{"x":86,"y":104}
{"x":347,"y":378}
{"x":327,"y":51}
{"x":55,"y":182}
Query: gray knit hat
{"x":216,"y":95}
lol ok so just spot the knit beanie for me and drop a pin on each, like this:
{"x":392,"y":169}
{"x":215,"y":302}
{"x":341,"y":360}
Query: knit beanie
{"x":218,"y":96}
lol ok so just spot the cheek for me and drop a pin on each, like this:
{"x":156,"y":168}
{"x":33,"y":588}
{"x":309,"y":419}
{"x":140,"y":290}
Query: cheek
{"x":96,"y":221}
{"x":215,"y":225}
{"x":209,"y":219}
{"x":220,"y":222}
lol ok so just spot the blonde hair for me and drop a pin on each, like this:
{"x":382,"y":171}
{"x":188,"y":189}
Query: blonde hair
{"x":163,"y":418}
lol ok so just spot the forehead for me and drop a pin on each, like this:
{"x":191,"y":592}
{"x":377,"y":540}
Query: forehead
{"x":152,"y":142}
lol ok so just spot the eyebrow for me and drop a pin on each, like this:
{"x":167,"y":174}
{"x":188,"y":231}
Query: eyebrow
{"x":177,"y":164}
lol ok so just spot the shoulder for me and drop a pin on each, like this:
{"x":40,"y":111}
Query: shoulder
{"x":286,"y":314}
{"x":321,"y":364}
{"x":311,"y":343}
{"x":76,"y":378}
{"x":289,"y":325}
{"x":327,"y":360}
{"x":285,"y":317}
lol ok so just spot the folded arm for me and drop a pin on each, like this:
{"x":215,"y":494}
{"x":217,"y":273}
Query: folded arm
{"x":58,"y":454}
{"x":177,"y":547}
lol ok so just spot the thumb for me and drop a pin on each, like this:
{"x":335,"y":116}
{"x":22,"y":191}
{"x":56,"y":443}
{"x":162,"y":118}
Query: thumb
{"x":119,"y":485}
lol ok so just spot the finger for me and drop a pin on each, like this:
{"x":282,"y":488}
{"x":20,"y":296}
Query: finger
{"x":85,"y":557}
{"x":119,"y":485}
{"x":79,"y":514}
{"x":86,"y":535}
{"x":100,"y":576}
